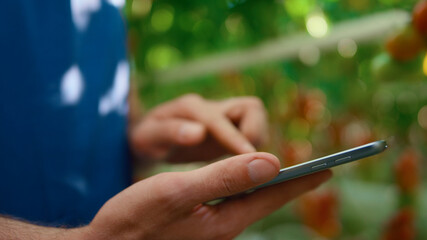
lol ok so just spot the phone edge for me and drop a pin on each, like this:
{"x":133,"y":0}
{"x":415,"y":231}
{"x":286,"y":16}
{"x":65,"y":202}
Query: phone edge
{"x":327,"y":162}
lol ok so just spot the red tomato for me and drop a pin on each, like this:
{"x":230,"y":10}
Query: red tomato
{"x":419,"y":17}
{"x":401,"y":226}
{"x":319,"y":211}
{"x":407,"y":171}
{"x":405,"y":45}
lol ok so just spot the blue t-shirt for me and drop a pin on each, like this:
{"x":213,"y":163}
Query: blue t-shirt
{"x":63,"y":88}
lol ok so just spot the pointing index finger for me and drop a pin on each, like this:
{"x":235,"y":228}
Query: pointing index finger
{"x":215,"y":120}
{"x":227,"y":134}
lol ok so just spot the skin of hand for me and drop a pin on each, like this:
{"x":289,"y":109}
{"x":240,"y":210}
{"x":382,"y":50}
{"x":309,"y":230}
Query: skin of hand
{"x":171,"y":205}
{"x":191,"y":128}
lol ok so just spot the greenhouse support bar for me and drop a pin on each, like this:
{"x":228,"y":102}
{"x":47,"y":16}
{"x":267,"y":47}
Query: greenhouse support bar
{"x":375,"y":26}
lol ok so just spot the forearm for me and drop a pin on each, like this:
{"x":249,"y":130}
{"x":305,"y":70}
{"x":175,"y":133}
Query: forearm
{"x":12,"y":229}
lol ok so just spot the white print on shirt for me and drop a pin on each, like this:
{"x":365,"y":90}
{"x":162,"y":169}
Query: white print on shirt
{"x":117,"y":3}
{"x":72,"y":86}
{"x":116,"y":98}
{"x":81,"y":11}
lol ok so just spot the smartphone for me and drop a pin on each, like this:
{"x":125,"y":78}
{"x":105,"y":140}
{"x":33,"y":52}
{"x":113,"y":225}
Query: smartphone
{"x":323,"y":163}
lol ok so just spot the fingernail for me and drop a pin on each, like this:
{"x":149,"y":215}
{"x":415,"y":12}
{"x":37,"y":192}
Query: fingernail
{"x":189,"y":130}
{"x":261,"y":170}
{"x":248,"y":148}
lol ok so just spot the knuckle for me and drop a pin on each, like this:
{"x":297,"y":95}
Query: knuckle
{"x":227,"y":183}
{"x":213,"y":122}
{"x":254,"y":102}
{"x":191,"y":98}
{"x":168,"y":189}
{"x":187,"y":102}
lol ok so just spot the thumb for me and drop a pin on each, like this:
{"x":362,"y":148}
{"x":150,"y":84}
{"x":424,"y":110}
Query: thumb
{"x":167,"y":132}
{"x":231,"y":176}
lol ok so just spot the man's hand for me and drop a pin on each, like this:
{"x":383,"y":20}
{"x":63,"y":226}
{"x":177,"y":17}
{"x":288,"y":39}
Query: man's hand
{"x":171,"y":205}
{"x":191,"y":128}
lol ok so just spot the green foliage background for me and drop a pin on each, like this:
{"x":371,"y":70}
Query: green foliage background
{"x":370,"y":90}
